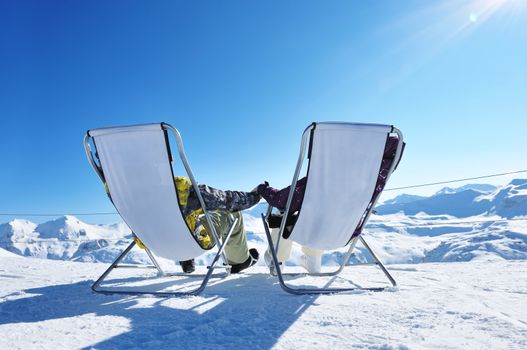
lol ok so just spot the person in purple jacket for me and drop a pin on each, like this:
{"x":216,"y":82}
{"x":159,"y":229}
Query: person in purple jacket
{"x":278,"y":198}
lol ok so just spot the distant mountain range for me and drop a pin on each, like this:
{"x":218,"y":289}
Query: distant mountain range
{"x":455,"y":224}
{"x":508,"y":201}
{"x":65,"y":238}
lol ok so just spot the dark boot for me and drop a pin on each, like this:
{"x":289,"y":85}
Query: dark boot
{"x":187,"y":266}
{"x":251,"y":260}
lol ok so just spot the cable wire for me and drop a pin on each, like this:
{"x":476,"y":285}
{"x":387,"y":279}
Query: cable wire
{"x":388,"y":189}
{"x":453,"y":223}
{"x":457,"y":180}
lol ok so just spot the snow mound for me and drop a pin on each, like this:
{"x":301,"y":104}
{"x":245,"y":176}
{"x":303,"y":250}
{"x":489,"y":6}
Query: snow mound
{"x":5,"y":254}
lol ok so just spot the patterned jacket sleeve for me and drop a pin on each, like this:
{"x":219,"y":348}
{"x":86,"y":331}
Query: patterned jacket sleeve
{"x":278,"y":198}
{"x":227,"y":200}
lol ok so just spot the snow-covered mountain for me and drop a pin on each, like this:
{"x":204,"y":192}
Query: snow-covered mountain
{"x":65,"y":238}
{"x":508,"y":201}
{"x":483,"y":188}
{"x":455,"y":224}
{"x":404,"y":198}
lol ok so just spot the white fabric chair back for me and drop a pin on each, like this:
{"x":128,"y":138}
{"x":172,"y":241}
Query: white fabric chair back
{"x":343,"y":170}
{"x":137,"y":169}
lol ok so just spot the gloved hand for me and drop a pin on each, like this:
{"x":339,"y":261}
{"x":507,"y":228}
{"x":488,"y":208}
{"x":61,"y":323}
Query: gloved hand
{"x":261,"y":187}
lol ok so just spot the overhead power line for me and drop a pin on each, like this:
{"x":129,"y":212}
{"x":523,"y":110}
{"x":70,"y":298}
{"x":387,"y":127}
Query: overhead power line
{"x":456,"y":180}
{"x":388,"y":189}
{"x":448,"y":223}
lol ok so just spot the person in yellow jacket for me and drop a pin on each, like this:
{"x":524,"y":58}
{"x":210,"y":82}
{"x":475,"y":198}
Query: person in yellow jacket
{"x":224,"y":207}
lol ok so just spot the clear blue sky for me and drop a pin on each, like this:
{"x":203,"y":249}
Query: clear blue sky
{"x":242,"y":79}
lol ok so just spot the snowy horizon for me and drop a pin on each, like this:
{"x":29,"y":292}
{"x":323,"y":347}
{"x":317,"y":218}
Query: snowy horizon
{"x":474,"y":221}
{"x":489,"y":186}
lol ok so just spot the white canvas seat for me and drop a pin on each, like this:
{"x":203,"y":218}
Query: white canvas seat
{"x":134,"y":162}
{"x":344,"y":165}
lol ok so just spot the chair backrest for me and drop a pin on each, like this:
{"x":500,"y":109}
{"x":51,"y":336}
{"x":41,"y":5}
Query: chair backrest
{"x":137,"y":169}
{"x":345,"y":161}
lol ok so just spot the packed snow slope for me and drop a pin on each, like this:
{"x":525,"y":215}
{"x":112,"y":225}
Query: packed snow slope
{"x":48,"y":304}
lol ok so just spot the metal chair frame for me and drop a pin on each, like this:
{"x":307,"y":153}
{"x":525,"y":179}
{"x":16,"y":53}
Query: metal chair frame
{"x":353,"y":241}
{"x":96,"y":287}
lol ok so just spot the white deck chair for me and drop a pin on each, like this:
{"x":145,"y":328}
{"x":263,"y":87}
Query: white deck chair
{"x":135,"y":164}
{"x":344,"y":164}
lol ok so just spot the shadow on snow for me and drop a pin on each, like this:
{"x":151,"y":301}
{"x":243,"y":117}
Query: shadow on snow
{"x":247,"y":311}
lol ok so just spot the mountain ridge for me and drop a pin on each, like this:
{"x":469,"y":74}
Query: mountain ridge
{"x":443,"y":234}
{"x":507,"y":201}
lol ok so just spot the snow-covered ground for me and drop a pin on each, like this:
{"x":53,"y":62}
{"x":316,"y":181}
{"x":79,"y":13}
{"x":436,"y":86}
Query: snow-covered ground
{"x":48,"y":304}
{"x":475,"y":221}
{"x":463,"y":285}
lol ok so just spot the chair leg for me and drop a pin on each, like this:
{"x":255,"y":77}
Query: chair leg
{"x":300,"y":291}
{"x":378,"y":261}
{"x":154,"y":261}
{"x":96,"y":286}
